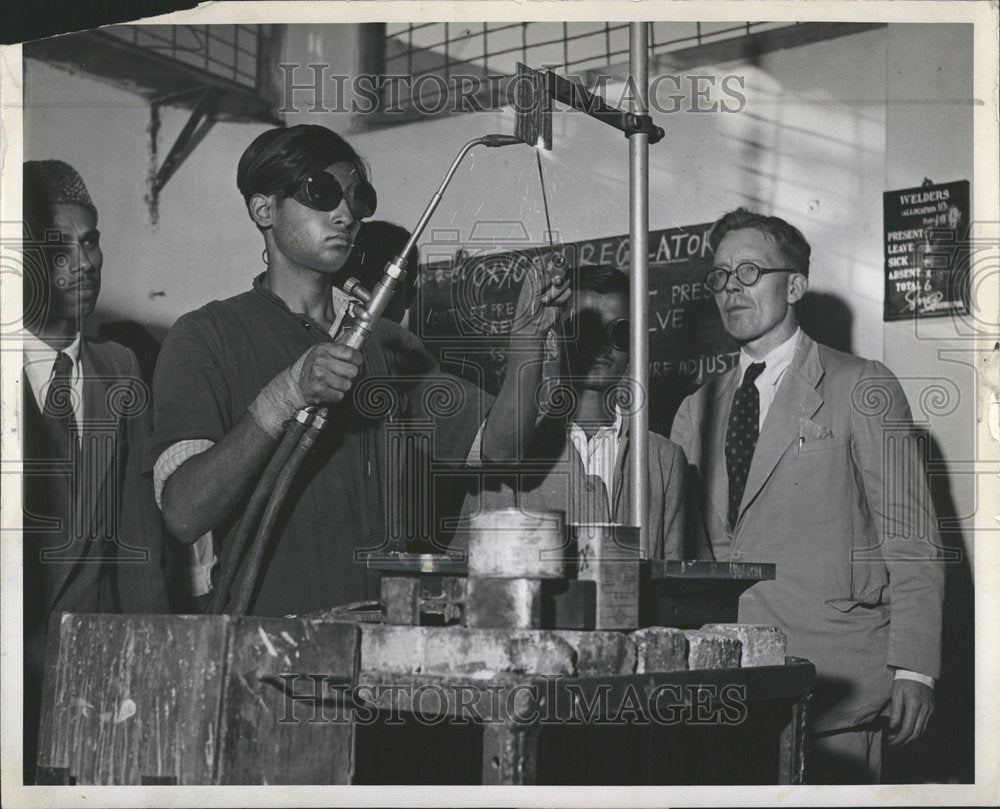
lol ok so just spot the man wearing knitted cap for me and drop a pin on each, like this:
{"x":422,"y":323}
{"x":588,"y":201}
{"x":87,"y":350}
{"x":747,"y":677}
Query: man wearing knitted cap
{"x":92,"y":536}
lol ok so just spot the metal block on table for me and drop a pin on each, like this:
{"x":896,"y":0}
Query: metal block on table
{"x":690,"y":594}
{"x":609,"y":556}
{"x":511,"y":603}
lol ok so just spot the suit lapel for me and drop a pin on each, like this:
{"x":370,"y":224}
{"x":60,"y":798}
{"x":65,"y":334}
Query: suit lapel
{"x":796,"y":398}
{"x":102,"y":441}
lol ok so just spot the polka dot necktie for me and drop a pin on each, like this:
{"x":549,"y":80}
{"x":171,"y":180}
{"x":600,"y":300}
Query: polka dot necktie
{"x":741,"y":438}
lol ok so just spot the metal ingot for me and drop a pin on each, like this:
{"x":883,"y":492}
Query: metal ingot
{"x":513,"y":543}
{"x":609,"y":555}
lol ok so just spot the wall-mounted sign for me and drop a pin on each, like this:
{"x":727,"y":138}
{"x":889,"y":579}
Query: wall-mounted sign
{"x":926,"y":251}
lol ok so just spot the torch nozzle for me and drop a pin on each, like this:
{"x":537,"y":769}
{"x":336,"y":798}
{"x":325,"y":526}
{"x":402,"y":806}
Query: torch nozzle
{"x":501,"y":140}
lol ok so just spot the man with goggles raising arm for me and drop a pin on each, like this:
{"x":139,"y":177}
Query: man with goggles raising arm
{"x":233,"y":373}
{"x":806,"y":460}
{"x":578,"y":444}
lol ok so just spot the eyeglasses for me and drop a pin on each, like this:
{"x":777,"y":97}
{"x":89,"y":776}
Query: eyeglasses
{"x":746,"y":273}
{"x":323,"y":192}
{"x":616,"y":334}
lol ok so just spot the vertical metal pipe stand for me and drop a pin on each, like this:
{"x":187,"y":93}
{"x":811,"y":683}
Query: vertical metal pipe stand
{"x":639,"y":283}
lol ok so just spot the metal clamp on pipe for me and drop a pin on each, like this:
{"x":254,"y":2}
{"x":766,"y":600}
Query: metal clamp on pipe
{"x":635,"y":124}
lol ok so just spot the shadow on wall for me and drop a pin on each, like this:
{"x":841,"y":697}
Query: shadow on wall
{"x":946,"y":751}
{"x":827,"y":319}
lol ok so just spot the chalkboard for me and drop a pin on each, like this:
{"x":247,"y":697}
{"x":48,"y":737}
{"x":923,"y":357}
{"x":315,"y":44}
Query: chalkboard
{"x":464,"y":308}
{"x":926,"y":257}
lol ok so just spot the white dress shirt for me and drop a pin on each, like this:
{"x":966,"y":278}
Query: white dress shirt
{"x":39,"y":365}
{"x":776,"y":362}
{"x":600,"y":453}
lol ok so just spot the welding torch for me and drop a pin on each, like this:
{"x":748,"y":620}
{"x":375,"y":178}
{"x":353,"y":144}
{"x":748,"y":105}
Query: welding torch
{"x":302,"y":431}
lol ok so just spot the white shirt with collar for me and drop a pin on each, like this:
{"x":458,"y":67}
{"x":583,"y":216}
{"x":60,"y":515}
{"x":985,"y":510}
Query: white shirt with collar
{"x":39,"y":365}
{"x":600,"y":453}
{"x":776,"y":362}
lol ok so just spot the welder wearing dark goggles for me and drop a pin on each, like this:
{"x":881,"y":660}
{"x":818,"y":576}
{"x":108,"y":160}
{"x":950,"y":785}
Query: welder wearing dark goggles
{"x":596,"y":336}
{"x":323,"y":192}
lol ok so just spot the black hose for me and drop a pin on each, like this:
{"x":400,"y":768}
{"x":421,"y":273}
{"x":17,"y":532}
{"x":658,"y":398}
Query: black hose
{"x":232,"y":553}
{"x":281,"y":487}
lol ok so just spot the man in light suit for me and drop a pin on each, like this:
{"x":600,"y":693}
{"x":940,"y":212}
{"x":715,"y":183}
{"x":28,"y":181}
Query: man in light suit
{"x":807,"y":459}
{"x":92,"y":535}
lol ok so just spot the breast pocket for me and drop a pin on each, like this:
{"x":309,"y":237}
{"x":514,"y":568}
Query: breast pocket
{"x":819,"y":482}
{"x":829,"y":444}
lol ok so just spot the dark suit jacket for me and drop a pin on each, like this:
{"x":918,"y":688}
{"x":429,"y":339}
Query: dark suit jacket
{"x":837,"y":498}
{"x":93,"y":538}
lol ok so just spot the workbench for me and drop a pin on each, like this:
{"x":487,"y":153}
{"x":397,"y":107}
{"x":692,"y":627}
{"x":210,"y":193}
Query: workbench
{"x":514,"y":710}
{"x":170,"y":699}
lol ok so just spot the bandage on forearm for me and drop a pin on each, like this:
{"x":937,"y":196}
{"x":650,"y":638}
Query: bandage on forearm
{"x":279,"y":401}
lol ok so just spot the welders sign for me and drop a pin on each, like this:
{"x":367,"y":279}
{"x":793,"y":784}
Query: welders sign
{"x":926,"y":251}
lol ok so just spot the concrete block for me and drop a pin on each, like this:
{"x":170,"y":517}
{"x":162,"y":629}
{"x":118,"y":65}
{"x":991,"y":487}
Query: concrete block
{"x":709,"y":650}
{"x":761,"y":645}
{"x":660,"y":648}
{"x":601,"y":652}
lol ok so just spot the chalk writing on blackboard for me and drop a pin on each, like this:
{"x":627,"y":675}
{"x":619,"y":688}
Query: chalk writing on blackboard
{"x":465,"y":308}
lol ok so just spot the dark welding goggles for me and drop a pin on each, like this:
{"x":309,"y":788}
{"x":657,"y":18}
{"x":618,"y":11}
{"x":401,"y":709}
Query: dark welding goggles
{"x":616,"y":334}
{"x":323,"y":192}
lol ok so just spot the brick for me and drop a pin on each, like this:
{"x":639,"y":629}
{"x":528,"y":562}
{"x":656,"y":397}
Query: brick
{"x":511,"y":603}
{"x":709,"y":650}
{"x":601,"y":652}
{"x":464,"y":651}
{"x":660,"y":648}
{"x":762,"y":645}
{"x":392,"y":648}
{"x":542,"y":653}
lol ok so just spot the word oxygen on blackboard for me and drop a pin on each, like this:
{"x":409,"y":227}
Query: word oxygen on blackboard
{"x":926,"y":272}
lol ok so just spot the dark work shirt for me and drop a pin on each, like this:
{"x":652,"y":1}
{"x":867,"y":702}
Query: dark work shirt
{"x":216,"y":360}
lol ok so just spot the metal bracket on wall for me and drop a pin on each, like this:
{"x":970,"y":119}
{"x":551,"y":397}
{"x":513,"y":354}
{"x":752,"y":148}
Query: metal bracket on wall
{"x":197,"y":126}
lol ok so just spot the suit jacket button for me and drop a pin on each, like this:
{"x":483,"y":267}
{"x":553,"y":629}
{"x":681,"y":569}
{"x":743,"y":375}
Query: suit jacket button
{"x":738,"y":554}
{"x":590,"y":486}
